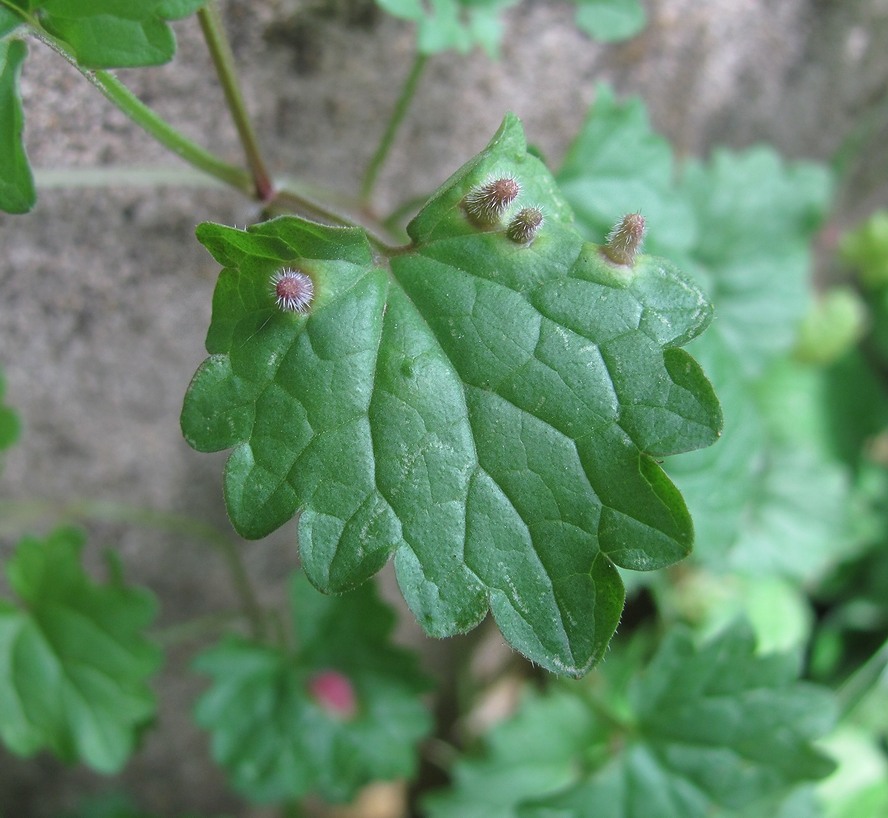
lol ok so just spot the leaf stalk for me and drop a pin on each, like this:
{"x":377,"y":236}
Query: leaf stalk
{"x":223,"y":60}
{"x":408,"y":91}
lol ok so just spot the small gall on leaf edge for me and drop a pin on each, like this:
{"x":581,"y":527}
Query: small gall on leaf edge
{"x":485,"y":204}
{"x":292,"y":290}
{"x":624,"y":241}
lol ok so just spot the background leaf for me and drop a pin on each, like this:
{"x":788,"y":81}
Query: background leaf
{"x":112,"y":34}
{"x":452,"y":24}
{"x":610,"y":20}
{"x":16,"y":181}
{"x":700,"y":730}
{"x":74,"y":661}
{"x":486,"y":411}
{"x":276,"y":741}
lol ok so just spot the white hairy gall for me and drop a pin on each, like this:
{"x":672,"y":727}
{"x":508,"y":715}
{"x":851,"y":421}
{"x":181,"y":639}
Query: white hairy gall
{"x":292,"y":289}
{"x":485,"y":204}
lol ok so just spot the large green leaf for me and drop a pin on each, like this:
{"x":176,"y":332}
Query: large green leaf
{"x":74,"y":661}
{"x":266,"y":711}
{"x":115,"y":33}
{"x":16,"y":182}
{"x":702,"y":729}
{"x":488,"y":412}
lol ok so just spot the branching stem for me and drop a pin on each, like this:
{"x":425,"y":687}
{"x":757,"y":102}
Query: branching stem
{"x":168,"y":136}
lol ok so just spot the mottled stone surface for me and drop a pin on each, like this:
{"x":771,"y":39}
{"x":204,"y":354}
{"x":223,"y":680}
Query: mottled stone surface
{"x":105,"y":294}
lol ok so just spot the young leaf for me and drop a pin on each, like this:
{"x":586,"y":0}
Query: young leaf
{"x":16,"y":182}
{"x":74,"y":661}
{"x":610,"y":20}
{"x":114,"y":34}
{"x":280,"y":722}
{"x":701,"y":729}
{"x":452,"y":24}
{"x":487,"y":411}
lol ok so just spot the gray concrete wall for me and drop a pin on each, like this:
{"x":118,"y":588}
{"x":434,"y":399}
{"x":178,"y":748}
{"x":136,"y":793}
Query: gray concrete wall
{"x":105,"y":294}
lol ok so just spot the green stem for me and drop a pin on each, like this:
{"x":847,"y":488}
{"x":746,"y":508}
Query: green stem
{"x":859,"y":683}
{"x":223,"y":59}
{"x":160,"y":520}
{"x":385,"y":144}
{"x":168,"y":136}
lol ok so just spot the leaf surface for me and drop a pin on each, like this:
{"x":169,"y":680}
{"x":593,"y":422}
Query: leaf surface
{"x":16,"y":181}
{"x":460,"y":25}
{"x":74,"y":661}
{"x":486,"y":412}
{"x":276,"y":741}
{"x":702,"y":729}
{"x":741,"y":223}
{"x":115,"y":33}
{"x":610,"y":20}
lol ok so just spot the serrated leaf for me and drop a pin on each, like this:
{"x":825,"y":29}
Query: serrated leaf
{"x":717,"y":726}
{"x":700,"y":730}
{"x":610,"y":20}
{"x":452,"y":24}
{"x":115,"y":33}
{"x":487,"y":412}
{"x":274,"y":738}
{"x":16,"y":181}
{"x":742,"y":223}
{"x":757,"y":217}
{"x":74,"y":662}
{"x":771,"y":499}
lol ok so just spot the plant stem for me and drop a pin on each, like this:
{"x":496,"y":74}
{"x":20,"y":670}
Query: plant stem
{"x":223,"y":59}
{"x":385,"y":144}
{"x":168,"y":136}
{"x":176,"y":523}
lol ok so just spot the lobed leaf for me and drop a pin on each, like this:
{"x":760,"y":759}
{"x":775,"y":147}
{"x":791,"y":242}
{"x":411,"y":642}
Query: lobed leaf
{"x":114,"y":33}
{"x":74,"y":661}
{"x":276,"y":741}
{"x":742,"y":223}
{"x":702,"y":729}
{"x":487,"y":412}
